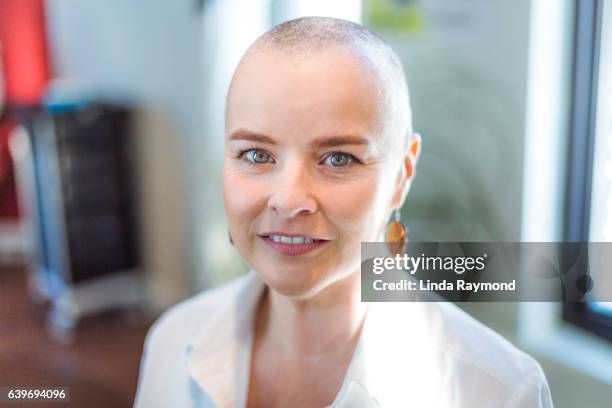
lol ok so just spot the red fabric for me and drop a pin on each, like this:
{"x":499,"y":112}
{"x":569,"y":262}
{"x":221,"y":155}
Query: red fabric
{"x":24,"y":53}
{"x":8,"y":196}
{"x":25,"y":74}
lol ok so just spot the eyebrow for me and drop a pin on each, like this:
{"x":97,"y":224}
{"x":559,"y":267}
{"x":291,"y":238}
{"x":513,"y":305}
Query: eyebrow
{"x":333,"y":141}
{"x":242,"y":134}
{"x":341,"y":140}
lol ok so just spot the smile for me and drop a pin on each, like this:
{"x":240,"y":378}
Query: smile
{"x":293,"y":245}
{"x":293,"y":240}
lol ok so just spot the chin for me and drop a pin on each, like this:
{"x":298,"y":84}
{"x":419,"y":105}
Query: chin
{"x":293,"y":282}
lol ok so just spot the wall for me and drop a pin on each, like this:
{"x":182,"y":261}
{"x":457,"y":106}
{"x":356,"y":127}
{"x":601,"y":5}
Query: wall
{"x":466,"y":66}
{"x":148,"y":52}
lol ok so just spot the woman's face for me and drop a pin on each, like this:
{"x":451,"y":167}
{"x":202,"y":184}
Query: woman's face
{"x":308,"y":174}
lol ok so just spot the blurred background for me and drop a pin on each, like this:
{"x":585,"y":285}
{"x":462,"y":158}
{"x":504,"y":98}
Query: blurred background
{"x":111,"y":146}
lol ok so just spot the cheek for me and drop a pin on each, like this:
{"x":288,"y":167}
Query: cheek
{"x":244,"y":197}
{"x":353,"y":207}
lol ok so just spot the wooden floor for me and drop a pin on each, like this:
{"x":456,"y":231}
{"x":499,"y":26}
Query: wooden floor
{"x":100,"y":366}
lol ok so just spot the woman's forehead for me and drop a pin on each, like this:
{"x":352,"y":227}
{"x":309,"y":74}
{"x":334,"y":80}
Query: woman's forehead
{"x":330,"y":93}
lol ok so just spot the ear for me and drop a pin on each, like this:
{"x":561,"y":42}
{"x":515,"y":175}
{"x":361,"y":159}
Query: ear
{"x":408,"y":171}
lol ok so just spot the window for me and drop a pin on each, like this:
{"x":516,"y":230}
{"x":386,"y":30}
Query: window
{"x":589,"y":191}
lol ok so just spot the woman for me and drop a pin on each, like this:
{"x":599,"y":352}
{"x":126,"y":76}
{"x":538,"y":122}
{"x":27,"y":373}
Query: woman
{"x":319,"y":153}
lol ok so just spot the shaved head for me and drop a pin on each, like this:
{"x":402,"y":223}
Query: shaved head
{"x":319,"y":144}
{"x":304,"y":38}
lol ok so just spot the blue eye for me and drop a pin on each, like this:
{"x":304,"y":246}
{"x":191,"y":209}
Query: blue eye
{"x":257,"y":156}
{"x":338,"y":159}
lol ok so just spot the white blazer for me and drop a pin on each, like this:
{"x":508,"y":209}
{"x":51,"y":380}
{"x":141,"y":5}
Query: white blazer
{"x":415,"y":354}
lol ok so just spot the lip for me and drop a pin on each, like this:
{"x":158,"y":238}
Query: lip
{"x":292,"y":249}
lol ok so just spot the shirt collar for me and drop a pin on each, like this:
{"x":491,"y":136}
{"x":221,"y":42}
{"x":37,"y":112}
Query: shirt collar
{"x":394,"y":360}
{"x":218,"y":357}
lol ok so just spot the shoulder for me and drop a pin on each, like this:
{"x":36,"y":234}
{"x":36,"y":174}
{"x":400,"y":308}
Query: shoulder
{"x":465,"y":338}
{"x":186,"y":318}
{"x":482,"y":356}
{"x":457,"y":352}
{"x":163,"y":377}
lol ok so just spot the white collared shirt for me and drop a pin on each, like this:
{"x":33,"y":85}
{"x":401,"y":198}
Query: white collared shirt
{"x":414,"y":354}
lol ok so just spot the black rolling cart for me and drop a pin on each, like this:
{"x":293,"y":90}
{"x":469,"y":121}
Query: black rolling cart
{"x":76,"y":186}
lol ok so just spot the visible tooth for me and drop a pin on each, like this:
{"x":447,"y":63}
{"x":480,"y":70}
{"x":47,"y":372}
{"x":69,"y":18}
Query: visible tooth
{"x":292,"y":240}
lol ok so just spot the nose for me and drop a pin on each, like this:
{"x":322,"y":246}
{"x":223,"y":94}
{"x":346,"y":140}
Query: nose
{"x":292,"y":192}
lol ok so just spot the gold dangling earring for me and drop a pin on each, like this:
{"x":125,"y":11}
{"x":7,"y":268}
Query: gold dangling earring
{"x":397,"y":234}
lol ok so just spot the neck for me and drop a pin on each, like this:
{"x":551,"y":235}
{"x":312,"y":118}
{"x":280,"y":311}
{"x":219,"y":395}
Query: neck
{"x":322,"y":325}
